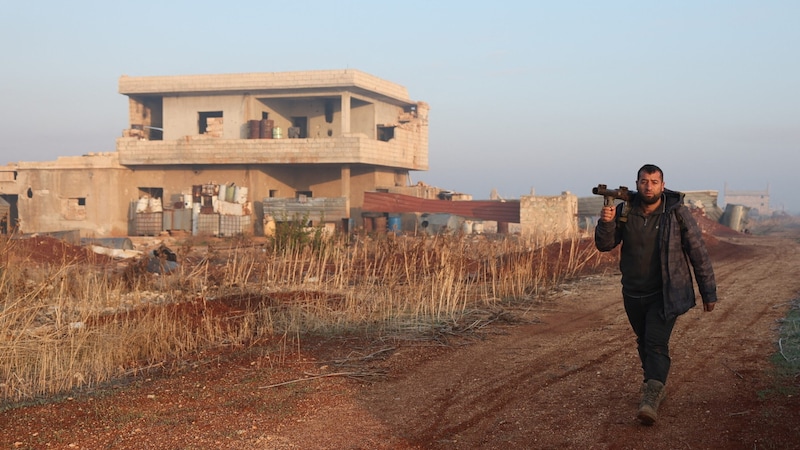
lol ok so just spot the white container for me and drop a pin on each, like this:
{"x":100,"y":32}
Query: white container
{"x":195,"y":218}
{"x":142,"y":204}
{"x":155,"y":205}
{"x":230,"y":209}
{"x":241,"y":195}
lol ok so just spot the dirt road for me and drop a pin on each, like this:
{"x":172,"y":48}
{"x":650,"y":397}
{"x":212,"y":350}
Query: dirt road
{"x":569,"y":378}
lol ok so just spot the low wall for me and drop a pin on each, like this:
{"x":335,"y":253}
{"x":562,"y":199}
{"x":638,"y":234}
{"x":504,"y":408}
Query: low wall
{"x":548,"y":219}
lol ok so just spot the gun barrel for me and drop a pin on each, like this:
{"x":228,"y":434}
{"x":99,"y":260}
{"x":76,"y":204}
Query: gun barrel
{"x":622,"y":193}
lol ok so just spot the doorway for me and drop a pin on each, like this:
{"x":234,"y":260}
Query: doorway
{"x":300,"y":124}
{"x":9,"y":213}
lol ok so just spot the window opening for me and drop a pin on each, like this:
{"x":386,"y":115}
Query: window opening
{"x":150,"y":199}
{"x":10,"y":218}
{"x":75,"y":208}
{"x":299,"y":128}
{"x":385,"y":133}
{"x":202,"y":125}
{"x":152,"y":192}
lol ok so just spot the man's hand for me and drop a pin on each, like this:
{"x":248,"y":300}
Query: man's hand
{"x":708,"y":307}
{"x":608,"y":213}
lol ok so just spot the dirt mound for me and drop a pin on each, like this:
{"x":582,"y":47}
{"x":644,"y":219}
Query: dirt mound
{"x":49,"y":250}
{"x":712,"y":227}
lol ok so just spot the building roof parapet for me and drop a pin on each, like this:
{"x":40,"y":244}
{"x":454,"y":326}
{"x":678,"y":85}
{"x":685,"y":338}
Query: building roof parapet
{"x":90,"y":160}
{"x":264,"y":81}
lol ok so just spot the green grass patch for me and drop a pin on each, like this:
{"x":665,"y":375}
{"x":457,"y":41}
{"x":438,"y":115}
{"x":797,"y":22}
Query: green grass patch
{"x":789,"y":340}
{"x":786,"y":361}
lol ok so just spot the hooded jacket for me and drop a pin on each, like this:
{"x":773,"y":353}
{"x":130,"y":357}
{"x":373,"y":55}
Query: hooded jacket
{"x":680,"y":245}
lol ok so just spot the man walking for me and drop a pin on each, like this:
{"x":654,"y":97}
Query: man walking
{"x":660,"y":239}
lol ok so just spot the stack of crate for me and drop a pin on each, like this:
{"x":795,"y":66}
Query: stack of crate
{"x":214,"y":127}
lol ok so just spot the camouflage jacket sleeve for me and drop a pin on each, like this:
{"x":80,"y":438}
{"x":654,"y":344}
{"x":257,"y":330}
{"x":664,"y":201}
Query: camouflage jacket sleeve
{"x":694,"y":248}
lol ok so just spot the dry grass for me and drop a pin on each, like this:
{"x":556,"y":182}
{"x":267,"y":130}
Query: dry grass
{"x":70,"y":325}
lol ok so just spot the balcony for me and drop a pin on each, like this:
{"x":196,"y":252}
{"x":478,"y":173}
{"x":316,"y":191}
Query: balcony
{"x":402,"y":152}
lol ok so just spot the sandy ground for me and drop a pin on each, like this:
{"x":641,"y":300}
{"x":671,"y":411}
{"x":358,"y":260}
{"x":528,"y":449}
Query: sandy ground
{"x":565,"y":375}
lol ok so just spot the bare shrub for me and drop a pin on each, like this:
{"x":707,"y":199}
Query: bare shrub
{"x":74,"y":325}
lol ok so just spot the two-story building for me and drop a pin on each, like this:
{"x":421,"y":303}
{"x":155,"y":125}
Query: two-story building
{"x":193,"y":140}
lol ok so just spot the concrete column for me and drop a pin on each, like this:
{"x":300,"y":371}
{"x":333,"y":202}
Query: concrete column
{"x":345,"y":113}
{"x":346,"y":186}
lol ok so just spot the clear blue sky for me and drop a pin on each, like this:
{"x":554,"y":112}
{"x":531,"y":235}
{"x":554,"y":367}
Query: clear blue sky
{"x":546,"y":95}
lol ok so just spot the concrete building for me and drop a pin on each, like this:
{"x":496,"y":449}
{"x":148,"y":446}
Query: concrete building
{"x":192,"y":139}
{"x":755,"y":200}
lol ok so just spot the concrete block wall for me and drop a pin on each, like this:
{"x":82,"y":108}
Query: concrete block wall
{"x":204,"y":150}
{"x":214,"y":127}
{"x":545,"y":219}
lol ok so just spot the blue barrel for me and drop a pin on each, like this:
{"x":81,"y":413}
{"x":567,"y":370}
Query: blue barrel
{"x":394,"y":224}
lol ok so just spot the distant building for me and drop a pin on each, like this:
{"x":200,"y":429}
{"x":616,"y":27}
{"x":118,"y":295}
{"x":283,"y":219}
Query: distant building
{"x":208,"y":150}
{"x":756,"y":201}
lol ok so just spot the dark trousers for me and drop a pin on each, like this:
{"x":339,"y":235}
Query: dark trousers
{"x":652,"y":334}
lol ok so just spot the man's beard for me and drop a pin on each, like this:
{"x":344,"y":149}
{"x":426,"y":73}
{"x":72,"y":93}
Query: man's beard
{"x":650,"y":200}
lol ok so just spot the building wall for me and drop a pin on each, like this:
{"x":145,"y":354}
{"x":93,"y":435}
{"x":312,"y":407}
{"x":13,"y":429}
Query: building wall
{"x":364,"y":116}
{"x":756,"y":201}
{"x":94,"y":194}
{"x":181,"y":115}
{"x":548,"y":219}
{"x":73,"y":193}
{"x":318,"y":125}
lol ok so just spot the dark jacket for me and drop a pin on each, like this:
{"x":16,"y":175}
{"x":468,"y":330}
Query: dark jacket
{"x":680,"y":244}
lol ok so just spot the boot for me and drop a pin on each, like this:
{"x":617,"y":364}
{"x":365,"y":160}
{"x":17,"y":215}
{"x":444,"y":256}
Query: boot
{"x":652,"y":395}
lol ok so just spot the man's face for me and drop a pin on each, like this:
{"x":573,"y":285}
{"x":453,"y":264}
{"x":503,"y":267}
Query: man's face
{"x":650,"y":186}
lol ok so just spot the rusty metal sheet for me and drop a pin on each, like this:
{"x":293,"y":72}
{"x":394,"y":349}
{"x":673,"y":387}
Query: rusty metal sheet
{"x":500,"y":211}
